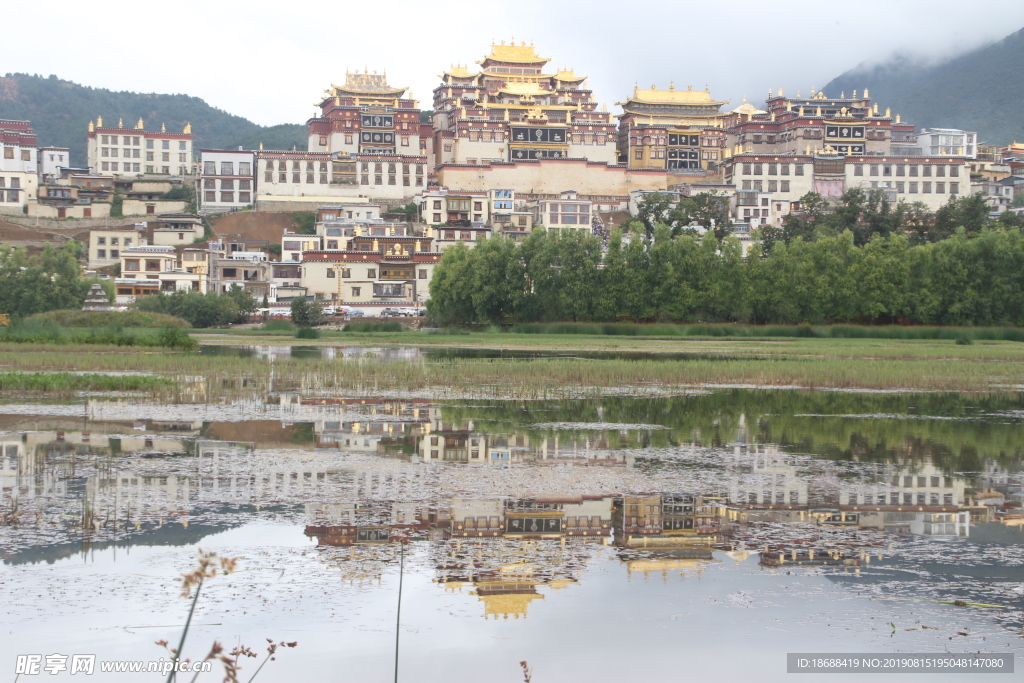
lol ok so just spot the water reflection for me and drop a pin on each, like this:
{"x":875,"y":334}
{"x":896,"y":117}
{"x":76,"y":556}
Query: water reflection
{"x":512,"y":502}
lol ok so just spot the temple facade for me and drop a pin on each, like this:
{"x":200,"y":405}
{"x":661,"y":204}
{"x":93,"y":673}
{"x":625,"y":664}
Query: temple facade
{"x":365,"y":142}
{"x":829,"y":145}
{"x":677,"y":130}
{"x":516,"y":109}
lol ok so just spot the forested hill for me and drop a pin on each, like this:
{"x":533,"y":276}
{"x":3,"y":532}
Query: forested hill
{"x":60,"y":112}
{"x":982,"y":90}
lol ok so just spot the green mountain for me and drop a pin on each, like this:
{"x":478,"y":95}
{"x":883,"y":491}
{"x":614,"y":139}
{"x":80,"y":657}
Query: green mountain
{"x":60,"y":112}
{"x":981,"y":90}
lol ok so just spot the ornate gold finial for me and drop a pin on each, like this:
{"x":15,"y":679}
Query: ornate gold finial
{"x":261,"y":146}
{"x":671,"y":85}
{"x":120,"y":123}
{"x":789,"y":105}
{"x":636,"y":89}
{"x":812,"y":92}
{"x":139,"y":124}
{"x":897,"y":118}
{"x":769,"y":93}
{"x":653,"y":86}
{"x":866,"y":93}
{"x":99,"y":121}
{"x":854,"y":94}
{"x":187,"y":130}
{"x":376,"y":246}
{"x":888,"y":113}
{"x":780,"y":92}
{"x":92,"y":128}
{"x":801,"y":110}
{"x":842,"y":94}
{"x":798,"y":94}
{"x":163,"y":127}
{"x":604,"y":107}
{"x":817,"y":112}
{"x":707,"y":87}
{"x":876,"y":108}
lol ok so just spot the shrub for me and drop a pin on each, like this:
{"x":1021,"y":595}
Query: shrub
{"x":307,"y":333}
{"x":964,"y":340}
{"x":176,"y":338}
{"x":374,"y":327}
{"x":278,"y":325}
{"x":77,"y":318}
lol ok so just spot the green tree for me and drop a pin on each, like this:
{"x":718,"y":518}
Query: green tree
{"x":244,"y":301}
{"x":48,"y":281}
{"x":307,"y":313}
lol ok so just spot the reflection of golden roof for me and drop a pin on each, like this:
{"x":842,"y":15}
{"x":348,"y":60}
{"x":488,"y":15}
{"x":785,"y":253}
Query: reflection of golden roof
{"x":663,"y":565}
{"x":508,"y":603}
{"x":524,"y":54}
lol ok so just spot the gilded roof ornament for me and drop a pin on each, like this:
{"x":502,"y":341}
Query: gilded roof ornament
{"x":187,"y":130}
{"x":888,"y":113}
{"x":817,"y":112}
{"x":139,"y":124}
{"x":866,"y":93}
{"x":92,"y":128}
{"x":99,"y":121}
{"x":120,"y":123}
{"x":163,"y":127}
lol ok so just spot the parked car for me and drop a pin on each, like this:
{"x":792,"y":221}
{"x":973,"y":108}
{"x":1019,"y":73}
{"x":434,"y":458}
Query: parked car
{"x":330,"y":310}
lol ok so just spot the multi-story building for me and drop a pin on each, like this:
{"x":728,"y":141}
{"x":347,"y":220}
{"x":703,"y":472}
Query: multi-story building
{"x":367,"y":138}
{"x":379,"y":264}
{"x":452,"y":208}
{"x":135,"y":151}
{"x":18,"y":166}
{"x":566,"y":212}
{"x":827,"y":146}
{"x":227,"y":180}
{"x":512,"y":110}
{"x":52,"y":160}
{"x":947,"y":142}
{"x":106,"y":244}
{"x":678,"y":130}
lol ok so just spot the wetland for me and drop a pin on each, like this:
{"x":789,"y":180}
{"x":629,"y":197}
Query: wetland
{"x":594,"y":507}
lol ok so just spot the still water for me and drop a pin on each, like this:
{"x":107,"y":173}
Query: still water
{"x":675,"y":538}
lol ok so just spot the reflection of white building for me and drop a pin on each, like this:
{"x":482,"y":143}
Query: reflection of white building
{"x":762,"y":475}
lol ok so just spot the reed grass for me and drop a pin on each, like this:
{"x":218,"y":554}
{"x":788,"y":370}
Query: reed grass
{"x":815,"y":364}
{"x":66,"y":381}
{"x":774,"y":331}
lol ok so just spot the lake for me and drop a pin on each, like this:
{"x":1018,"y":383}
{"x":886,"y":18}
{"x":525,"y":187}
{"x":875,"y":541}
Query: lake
{"x":678,"y":537}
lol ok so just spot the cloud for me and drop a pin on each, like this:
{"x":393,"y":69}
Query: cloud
{"x":270,"y":61}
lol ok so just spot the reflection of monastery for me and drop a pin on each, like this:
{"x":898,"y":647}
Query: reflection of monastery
{"x":768,"y":484}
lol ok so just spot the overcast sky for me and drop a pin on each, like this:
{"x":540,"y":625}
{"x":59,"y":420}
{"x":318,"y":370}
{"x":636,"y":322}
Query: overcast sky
{"x":270,"y":60}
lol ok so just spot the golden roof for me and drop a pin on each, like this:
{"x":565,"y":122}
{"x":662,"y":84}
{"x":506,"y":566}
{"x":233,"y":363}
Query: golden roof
{"x":747,"y":108}
{"x":568,"y":75}
{"x":523,"y":53}
{"x":460,"y":72}
{"x":673,"y":96}
{"x":530,"y":88}
{"x":367,"y":84}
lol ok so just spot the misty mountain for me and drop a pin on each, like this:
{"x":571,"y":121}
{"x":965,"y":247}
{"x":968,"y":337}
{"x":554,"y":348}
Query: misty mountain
{"x":60,"y":112}
{"x":981,"y":90}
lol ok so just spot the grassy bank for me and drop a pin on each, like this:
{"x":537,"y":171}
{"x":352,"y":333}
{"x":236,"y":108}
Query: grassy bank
{"x":844,"y":364}
{"x":776,"y":331}
{"x":48,"y":332}
{"x":98,"y":319}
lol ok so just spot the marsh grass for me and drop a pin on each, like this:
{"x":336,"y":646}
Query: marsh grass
{"x":774,"y":331}
{"x":94,"y":319}
{"x":843,"y":364}
{"x":59,"y":382}
{"x":46,"y":331}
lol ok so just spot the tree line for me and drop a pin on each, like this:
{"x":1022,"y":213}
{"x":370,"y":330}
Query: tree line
{"x":823,"y":266}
